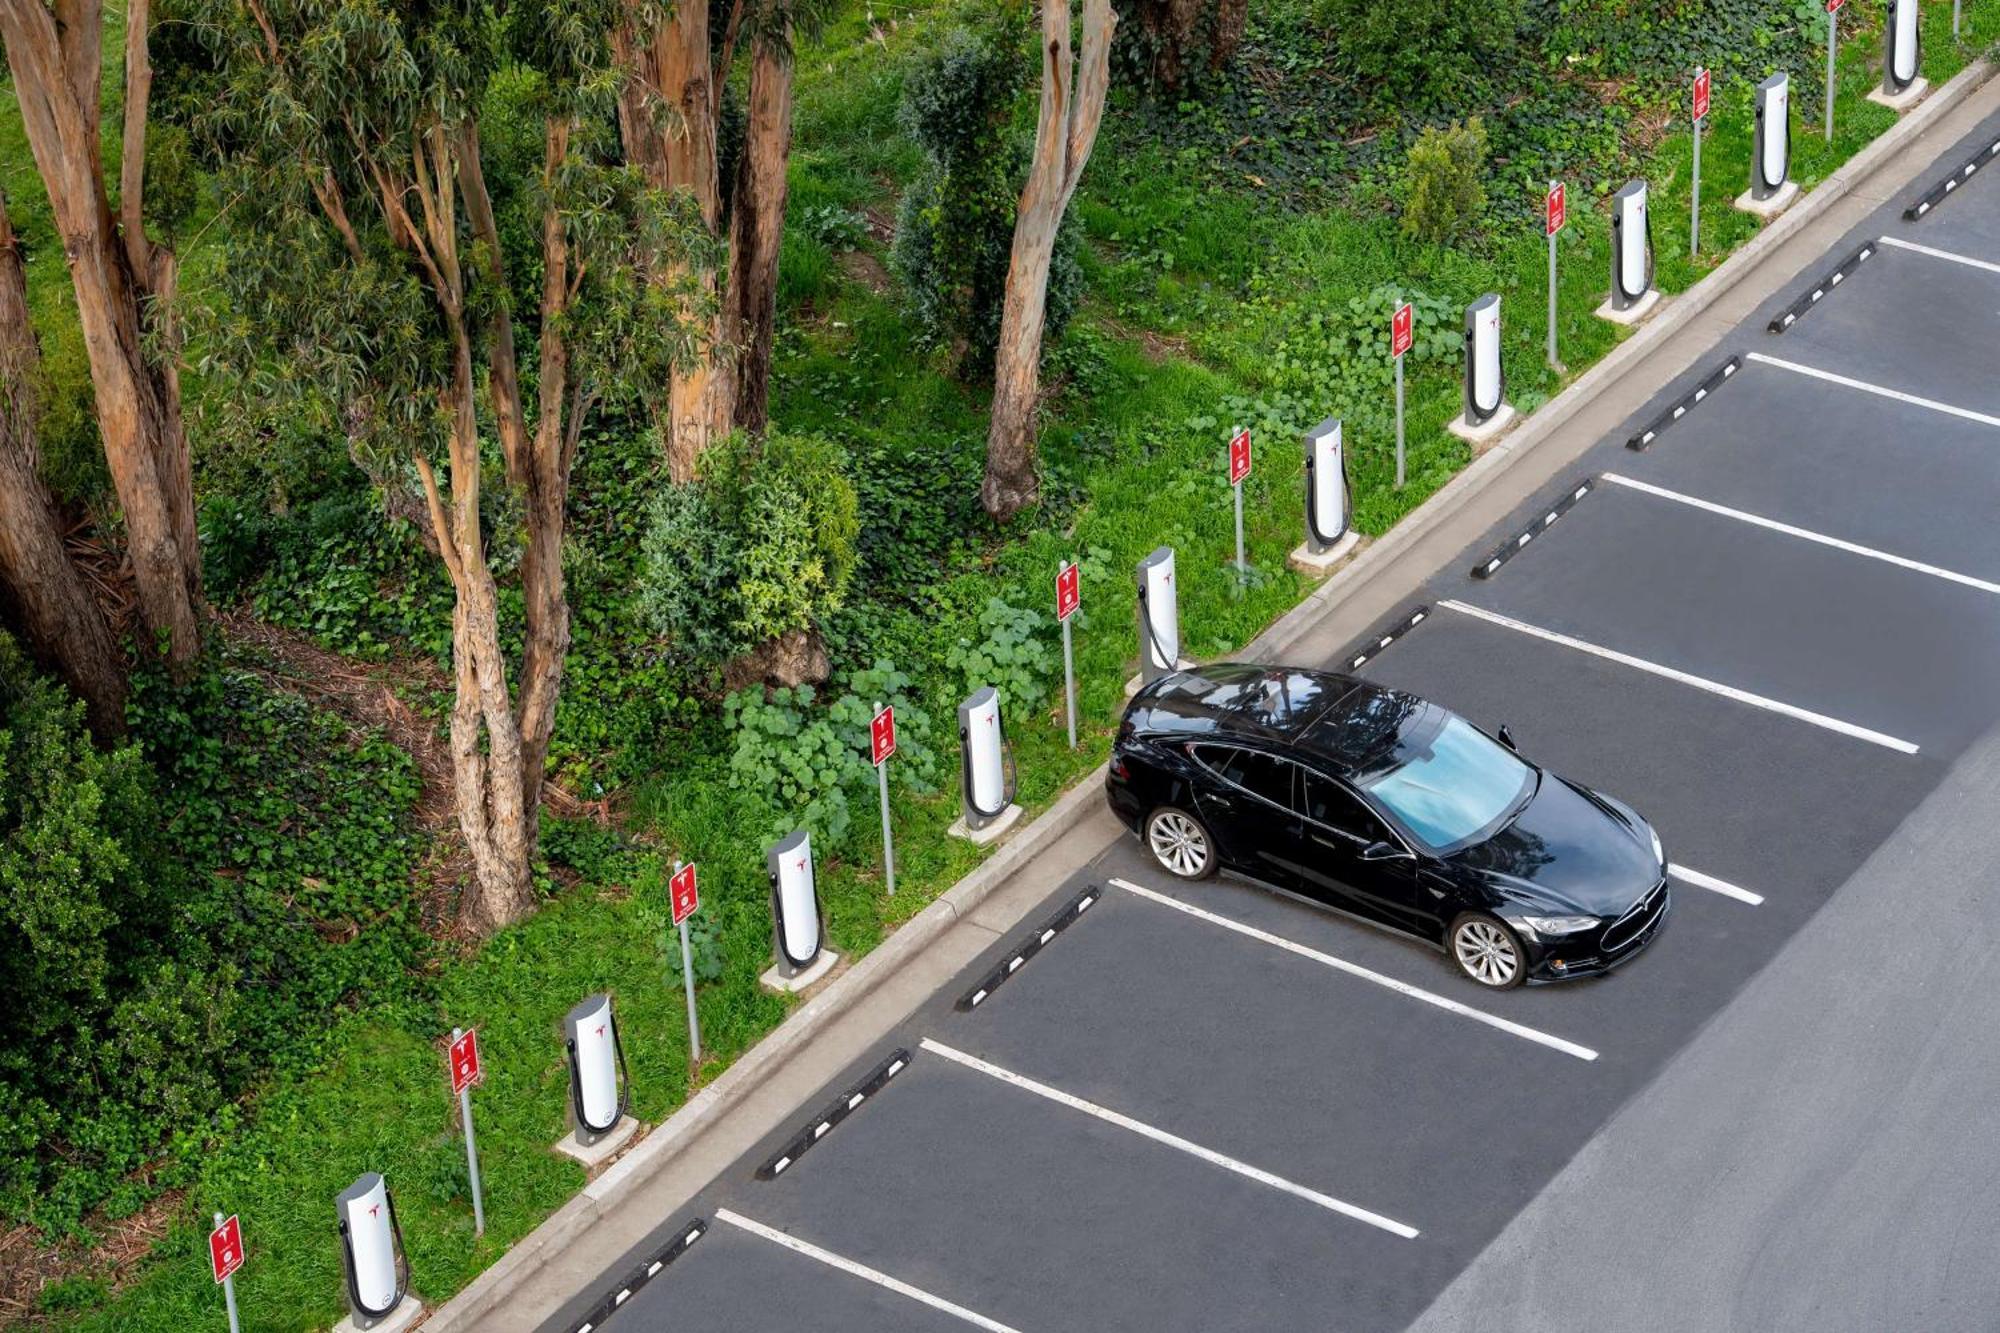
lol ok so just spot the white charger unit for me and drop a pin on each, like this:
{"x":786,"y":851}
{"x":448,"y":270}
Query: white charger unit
{"x":1159,"y":616}
{"x":984,"y":787}
{"x":1326,"y":487}
{"x":371,"y":1250}
{"x":1772,"y":158}
{"x":1485,"y":387}
{"x":596,"y":1068}
{"x":1631,"y":247}
{"x":1900,"y":56}
{"x":795,"y":903}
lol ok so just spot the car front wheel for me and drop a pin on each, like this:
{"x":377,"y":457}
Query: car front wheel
{"x":1488,"y":952}
{"x":1180,"y":843}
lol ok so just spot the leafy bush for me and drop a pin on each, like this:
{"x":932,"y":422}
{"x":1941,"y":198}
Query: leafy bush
{"x":1425,"y":54}
{"x":810,"y":765}
{"x":955,"y":225}
{"x":764,"y":544}
{"x":1443,"y":195}
{"x":1013,"y":655}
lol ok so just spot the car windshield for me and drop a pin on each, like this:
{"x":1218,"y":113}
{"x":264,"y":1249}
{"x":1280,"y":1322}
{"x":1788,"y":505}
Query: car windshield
{"x":1453,"y":787}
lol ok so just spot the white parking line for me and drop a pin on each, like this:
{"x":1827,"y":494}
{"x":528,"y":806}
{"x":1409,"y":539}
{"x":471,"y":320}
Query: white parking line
{"x":1520,"y":1030}
{"x":1714,"y":885}
{"x":1966,"y":260}
{"x":862,"y":1271}
{"x":1684,"y":678}
{"x":1929,"y":404}
{"x":1805,"y":534}
{"x":1144,"y":1130}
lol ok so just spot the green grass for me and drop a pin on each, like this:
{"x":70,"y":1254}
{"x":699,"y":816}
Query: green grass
{"x":1134,"y":448}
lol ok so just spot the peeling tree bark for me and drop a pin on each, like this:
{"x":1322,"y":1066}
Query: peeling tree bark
{"x":54,"y":59}
{"x":757,"y":221}
{"x":1072,"y":108}
{"x":60,"y":621}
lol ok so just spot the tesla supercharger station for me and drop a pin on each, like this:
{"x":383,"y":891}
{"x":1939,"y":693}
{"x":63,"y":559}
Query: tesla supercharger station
{"x":986,"y":782}
{"x":1159,"y":619}
{"x":1329,"y":532}
{"x":1486,"y":411}
{"x":597,"y":1075}
{"x":371,"y":1257}
{"x":1632,"y":293}
{"x":797,"y":927}
{"x":1771,"y":188}
{"x":1901,"y":83}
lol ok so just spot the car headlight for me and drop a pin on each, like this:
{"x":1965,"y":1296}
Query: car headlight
{"x":1535,"y":927}
{"x":1659,"y":852}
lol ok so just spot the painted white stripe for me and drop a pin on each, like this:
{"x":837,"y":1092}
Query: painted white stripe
{"x":1697,"y":682}
{"x":862,"y":1271}
{"x":1144,"y":1130}
{"x":1714,"y":885}
{"x":1949,"y":255}
{"x":1930,"y":404}
{"x":1520,"y":1030}
{"x":1806,"y":534}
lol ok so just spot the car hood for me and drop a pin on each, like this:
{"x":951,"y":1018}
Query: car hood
{"x":1569,"y":850}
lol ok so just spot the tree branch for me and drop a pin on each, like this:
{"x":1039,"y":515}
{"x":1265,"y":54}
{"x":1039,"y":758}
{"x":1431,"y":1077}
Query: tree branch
{"x":1093,"y":81}
{"x":132,"y":160}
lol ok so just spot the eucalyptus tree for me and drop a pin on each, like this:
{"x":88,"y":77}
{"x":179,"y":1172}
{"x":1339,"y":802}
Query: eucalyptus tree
{"x":440,"y":255}
{"x":125,"y":285}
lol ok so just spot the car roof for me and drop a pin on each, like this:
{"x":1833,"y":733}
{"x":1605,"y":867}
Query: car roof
{"x":1347,"y":723}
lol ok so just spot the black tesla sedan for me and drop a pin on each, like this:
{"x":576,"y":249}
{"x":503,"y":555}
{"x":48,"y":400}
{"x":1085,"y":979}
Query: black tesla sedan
{"x":1388,"y":806}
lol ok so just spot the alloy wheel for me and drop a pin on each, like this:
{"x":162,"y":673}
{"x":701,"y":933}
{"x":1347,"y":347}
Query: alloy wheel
{"x":1179,"y":844}
{"x":1486,"y":953}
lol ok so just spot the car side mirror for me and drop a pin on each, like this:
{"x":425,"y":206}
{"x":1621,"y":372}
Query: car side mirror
{"x":1383,"y":851}
{"x":1507,"y":738}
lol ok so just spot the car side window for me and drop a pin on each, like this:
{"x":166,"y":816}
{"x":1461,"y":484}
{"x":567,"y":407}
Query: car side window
{"x":1262,"y":775}
{"x":1327,"y":802}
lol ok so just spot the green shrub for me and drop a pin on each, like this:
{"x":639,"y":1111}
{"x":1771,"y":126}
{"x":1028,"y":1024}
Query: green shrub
{"x":763,"y":545}
{"x":955,"y":224}
{"x":1442,"y":191}
{"x":1013,"y":655}
{"x":808,"y":765}
{"x":1425,"y":54}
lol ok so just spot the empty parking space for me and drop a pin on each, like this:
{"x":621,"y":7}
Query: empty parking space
{"x":1861,"y":646}
{"x":1968,"y":218}
{"x":1852,"y":466}
{"x":1908,"y":323}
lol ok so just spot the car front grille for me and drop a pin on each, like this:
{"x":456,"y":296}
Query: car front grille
{"x":1636,"y":922}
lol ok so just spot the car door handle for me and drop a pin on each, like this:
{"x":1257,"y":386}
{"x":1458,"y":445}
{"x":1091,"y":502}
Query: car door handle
{"x":1329,"y":842}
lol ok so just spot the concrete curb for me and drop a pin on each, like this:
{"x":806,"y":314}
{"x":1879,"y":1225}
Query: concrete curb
{"x":515,"y":1268}
{"x":491,"y":1288}
{"x":1681,"y":310}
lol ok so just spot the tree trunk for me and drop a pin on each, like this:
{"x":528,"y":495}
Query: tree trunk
{"x":757,"y":222}
{"x":61,"y":622}
{"x":666,"y":116}
{"x":1072,"y":108}
{"x":54,"y":59}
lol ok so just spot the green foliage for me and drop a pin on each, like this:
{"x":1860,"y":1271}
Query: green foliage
{"x":763,"y":545}
{"x":807,"y":766}
{"x":1424,"y":54}
{"x":1442,"y":192}
{"x":1013,"y":654}
{"x":955,"y":225}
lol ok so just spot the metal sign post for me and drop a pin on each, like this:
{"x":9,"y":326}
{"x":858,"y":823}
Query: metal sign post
{"x":1554,"y":215}
{"x":1402,"y":335}
{"x":684,"y":896}
{"x":225,"y":1256}
{"x":1700,"y":115}
{"x":882,"y":744}
{"x":466,"y":1071}
{"x":1832,"y":36}
{"x":1239,"y":471}
{"x":1069,"y":595}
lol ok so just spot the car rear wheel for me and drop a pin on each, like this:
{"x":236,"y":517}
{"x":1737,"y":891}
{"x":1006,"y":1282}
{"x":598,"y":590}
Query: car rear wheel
{"x":1487,"y":951}
{"x":1180,"y":843}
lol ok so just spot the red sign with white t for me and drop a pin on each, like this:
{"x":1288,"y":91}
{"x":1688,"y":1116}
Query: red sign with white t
{"x":1402,"y":331}
{"x":1239,"y":457}
{"x":1069,"y":591}
{"x":1701,"y":94}
{"x":683,"y":893}
{"x":1832,"y":5}
{"x":1557,"y":212}
{"x":882,"y":735}
{"x":225,"y":1248}
{"x":465,"y":1070}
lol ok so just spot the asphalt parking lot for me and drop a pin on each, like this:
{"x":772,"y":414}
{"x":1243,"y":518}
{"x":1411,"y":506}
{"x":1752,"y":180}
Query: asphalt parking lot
{"x":1772,"y":630}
